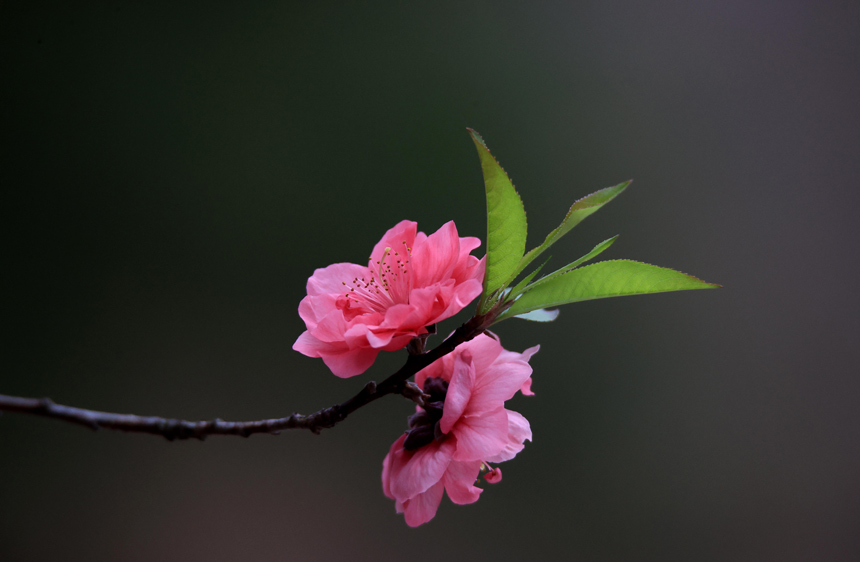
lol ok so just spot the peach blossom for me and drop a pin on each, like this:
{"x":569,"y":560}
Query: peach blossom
{"x":462,"y":428}
{"x":411,"y":281}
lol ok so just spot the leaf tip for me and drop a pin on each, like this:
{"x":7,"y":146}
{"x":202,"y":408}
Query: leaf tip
{"x":476,"y":136}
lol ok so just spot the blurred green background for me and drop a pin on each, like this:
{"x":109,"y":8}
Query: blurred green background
{"x":173,"y":172}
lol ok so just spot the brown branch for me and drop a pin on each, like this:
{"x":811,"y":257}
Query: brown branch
{"x":316,"y":422}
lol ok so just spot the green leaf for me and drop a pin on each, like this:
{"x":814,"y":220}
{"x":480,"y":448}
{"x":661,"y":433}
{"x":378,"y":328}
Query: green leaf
{"x":597,"y":250}
{"x":577,"y":213}
{"x":506,"y":223}
{"x":526,"y":280}
{"x":614,"y":278}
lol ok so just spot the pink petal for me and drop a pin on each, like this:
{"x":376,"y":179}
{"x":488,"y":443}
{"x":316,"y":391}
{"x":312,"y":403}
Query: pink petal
{"x":498,"y":383}
{"x":527,"y":354}
{"x":404,"y":231}
{"x":467,"y":244}
{"x":434,"y":260}
{"x":518,"y":431}
{"x":469,"y":267}
{"x":429,"y":304}
{"x":350,"y":363}
{"x":415,"y":472}
{"x":512,"y":357}
{"x":484,"y":350}
{"x":463,"y":294}
{"x":307,"y":344}
{"x":379,"y":338}
{"x":481,"y":437}
{"x":399,"y":342}
{"x":459,"y":391}
{"x":459,"y":482}
{"x":356,"y":334}
{"x":422,"y":508}
{"x":403,"y":318}
{"x":330,"y":280}
{"x":526,"y":388}
{"x":330,"y":328}
{"x":386,"y":466}
{"x":314,"y":309}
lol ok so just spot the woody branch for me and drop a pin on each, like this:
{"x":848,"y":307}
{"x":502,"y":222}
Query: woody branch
{"x":316,"y":422}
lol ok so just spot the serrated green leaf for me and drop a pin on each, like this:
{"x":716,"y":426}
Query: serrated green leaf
{"x":597,"y":250}
{"x":527,"y":279}
{"x":576,"y":214}
{"x":614,"y":278}
{"x":506,"y":223}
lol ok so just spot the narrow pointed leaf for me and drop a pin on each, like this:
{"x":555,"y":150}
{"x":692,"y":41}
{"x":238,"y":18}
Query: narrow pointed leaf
{"x":527,"y":279}
{"x":506,"y":222}
{"x":539,"y":315}
{"x":578,"y":212}
{"x":597,"y":250}
{"x":614,"y":278}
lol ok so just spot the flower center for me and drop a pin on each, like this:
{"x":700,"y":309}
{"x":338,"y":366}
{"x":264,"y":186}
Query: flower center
{"x":388,"y":283}
{"x":424,"y":424}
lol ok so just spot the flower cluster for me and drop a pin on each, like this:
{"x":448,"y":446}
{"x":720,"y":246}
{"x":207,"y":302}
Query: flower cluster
{"x":411,"y":282}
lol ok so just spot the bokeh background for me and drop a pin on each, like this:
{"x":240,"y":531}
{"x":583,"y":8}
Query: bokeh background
{"x":173,"y":172}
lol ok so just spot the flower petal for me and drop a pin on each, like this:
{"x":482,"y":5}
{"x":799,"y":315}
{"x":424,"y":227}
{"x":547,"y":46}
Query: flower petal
{"x":497,"y":384}
{"x":481,"y":437}
{"x":460,"y":297}
{"x":527,"y":354}
{"x":402,"y":318}
{"x":413,"y":472}
{"x":330,"y":328}
{"x":393,"y":239}
{"x":330,"y":280}
{"x":518,"y":431}
{"x":422,"y":508}
{"x":459,"y":482}
{"x":352,"y":362}
{"x":307,"y":344}
{"x":312,"y":309}
{"x":429,"y":304}
{"x":386,"y":466}
{"x":484,"y":350}
{"x":459,"y":391}
{"x":435,"y":259}
{"x":526,"y":388}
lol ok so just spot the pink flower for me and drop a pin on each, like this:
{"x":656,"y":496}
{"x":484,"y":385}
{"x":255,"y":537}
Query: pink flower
{"x":463,"y":427}
{"x":411,"y":281}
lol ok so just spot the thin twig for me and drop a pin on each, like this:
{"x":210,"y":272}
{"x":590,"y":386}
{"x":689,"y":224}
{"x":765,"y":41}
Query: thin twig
{"x":316,"y":422}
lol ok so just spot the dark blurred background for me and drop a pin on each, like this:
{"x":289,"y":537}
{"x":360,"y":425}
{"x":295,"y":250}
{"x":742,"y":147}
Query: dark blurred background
{"x":173,"y":172}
